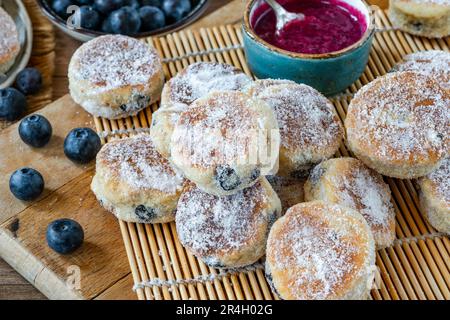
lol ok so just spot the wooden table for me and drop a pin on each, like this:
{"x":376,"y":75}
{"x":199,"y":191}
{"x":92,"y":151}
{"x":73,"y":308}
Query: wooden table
{"x":12,"y":285}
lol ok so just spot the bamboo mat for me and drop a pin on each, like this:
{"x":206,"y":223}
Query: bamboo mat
{"x":42,"y":57}
{"x":417,"y":266}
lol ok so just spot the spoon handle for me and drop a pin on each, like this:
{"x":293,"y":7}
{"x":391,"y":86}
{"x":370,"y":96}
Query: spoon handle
{"x":275,"y":6}
{"x":282,"y":15}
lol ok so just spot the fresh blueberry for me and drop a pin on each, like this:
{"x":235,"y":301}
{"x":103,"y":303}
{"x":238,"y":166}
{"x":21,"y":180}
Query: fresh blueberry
{"x":87,"y":18}
{"x":176,"y":9}
{"x":64,"y":235}
{"x":131,"y":3}
{"x":26,"y":184}
{"x":152,"y":18}
{"x":82,"y":145}
{"x":29,"y":81}
{"x":12,"y":104}
{"x":152,"y":3}
{"x":125,"y":21}
{"x":60,"y":7}
{"x":227,"y":178}
{"x":35,"y":130}
{"x":107,"y":6}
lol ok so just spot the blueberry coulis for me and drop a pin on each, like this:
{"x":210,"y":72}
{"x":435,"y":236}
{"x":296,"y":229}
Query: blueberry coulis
{"x":329,"y":26}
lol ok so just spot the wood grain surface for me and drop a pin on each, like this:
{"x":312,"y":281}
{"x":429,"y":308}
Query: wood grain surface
{"x":100,"y":264}
{"x":14,"y":286}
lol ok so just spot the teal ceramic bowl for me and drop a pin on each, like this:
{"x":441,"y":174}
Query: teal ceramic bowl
{"x":330,"y":73}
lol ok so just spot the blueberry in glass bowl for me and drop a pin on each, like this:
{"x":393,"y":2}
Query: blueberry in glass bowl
{"x":87,"y":19}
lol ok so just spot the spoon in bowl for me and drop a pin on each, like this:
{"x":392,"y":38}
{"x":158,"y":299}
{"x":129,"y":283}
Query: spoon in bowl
{"x":283,"y":16}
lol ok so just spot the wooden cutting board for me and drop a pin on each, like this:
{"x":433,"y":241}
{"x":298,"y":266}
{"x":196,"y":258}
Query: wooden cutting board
{"x":99,"y":269}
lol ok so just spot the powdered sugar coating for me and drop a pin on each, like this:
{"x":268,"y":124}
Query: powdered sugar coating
{"x":440,"y":181}
{"x":402,"y":117}
{"x":9,"y":38}
{"x":319,"y":251}
{"x":306,"y":118}
{"x":114,"y":61}
{"x":214,"y":228}
{"x":260,"y":85}
{"x":220,"y":129}
{"x":433,"y":63}
{"x":348,"y":182}
{"x":207,"y":223}
{"x":202,"y":78}
{"x":134,"y":162}
{"x":192,"y":83}
{"x":364,"y":193}
{"x":362,"y":189}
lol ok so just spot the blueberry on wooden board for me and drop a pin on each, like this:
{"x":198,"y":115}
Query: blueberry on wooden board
{"x":35,"y":130}
{"x":82,"y":145}
{"x":64,"y":235}
{"x":12,"y":104}
{"x":26,"y":184}
{"x":29,"y":81}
